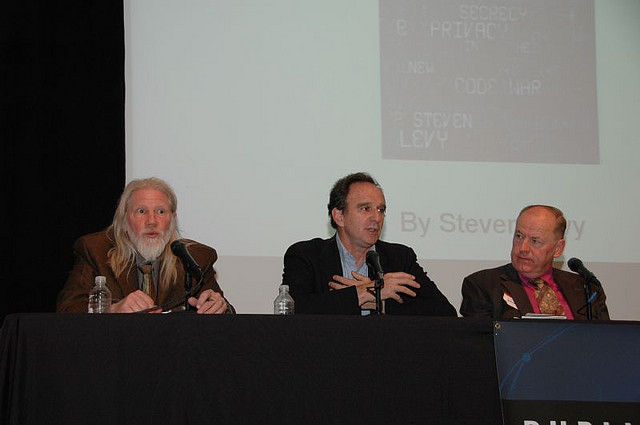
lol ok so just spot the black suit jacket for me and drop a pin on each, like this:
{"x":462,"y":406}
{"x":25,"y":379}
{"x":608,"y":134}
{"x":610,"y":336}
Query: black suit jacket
{"x":483,"y":292}
{"x":309,"y":266}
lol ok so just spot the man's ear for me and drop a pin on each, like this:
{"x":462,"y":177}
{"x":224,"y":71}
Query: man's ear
{"x":559,"y":248}
{"x":338,"y":217}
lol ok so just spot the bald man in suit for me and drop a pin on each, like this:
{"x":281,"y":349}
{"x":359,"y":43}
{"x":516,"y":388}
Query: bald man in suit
{"x":530,"y":284}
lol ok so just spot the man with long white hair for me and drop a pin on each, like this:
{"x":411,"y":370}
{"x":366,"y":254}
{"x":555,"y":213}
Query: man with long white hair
{"x":134,"y":254}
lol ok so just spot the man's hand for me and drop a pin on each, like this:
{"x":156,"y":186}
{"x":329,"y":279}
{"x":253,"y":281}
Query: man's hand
{"x":361,"y":282}
{"x":209,"y":302}
{"x":134,"y":302}
{"x":395,"y":283}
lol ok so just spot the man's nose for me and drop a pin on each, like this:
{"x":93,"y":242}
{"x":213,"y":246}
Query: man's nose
{"x":524,"y":246}
{"x":152,"y":219}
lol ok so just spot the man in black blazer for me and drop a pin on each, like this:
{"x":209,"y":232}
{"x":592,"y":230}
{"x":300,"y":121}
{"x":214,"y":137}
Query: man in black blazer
{"x":513,"y":290}
{"x":331,"y":275}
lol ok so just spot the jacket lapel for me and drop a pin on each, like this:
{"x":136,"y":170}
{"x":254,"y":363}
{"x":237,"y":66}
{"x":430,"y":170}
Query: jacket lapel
{"x":574,"y":295}
{"x":512,"y":286}
{"x":330,"y":262}
{"x":128,"y":280}
{"x":167,"y":293}
{"x":384,"y":259}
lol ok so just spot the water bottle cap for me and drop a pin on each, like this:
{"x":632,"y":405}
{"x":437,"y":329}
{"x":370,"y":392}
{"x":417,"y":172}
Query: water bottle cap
{"x":284,"y":288}
{"x":101,"y":279}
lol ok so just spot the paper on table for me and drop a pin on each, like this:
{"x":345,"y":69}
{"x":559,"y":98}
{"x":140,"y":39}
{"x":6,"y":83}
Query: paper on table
{"x":542,"y":316}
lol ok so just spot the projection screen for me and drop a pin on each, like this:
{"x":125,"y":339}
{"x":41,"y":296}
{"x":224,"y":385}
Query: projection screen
{"x":463,"y":111}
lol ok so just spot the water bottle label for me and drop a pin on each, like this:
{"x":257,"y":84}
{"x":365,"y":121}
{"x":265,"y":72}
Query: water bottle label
{"x":99,"y":302}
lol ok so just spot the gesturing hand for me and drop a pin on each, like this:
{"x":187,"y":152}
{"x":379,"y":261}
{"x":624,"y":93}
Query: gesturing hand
{"x":395,"y":283}
{"x":361,"y":282}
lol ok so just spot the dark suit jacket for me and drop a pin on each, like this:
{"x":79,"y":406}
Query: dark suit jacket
{"x":91,"y":260}
{"x":309,"y":266}
{"x":483,"y":292}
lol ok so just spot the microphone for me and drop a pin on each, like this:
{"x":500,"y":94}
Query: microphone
{"x":576,"y":266}
{"x":179,"y":249}
{"x":373,"y":261}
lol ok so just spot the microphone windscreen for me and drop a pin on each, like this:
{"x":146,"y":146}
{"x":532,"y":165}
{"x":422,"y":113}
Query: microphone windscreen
{"x":178,"y":247}
{"x":575,"y":264}
{"x":180,"y":250}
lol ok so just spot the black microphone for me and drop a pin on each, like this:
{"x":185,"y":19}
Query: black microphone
{"x":576,"y":266}
{"x":373,"y":261}
{"x":179,"y":248}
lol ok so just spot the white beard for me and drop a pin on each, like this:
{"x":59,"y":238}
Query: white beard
{"x":150,"y":248}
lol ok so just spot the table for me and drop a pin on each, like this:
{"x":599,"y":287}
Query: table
{"x":246,"y":369}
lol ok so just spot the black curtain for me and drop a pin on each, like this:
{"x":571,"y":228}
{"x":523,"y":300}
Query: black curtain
{"x":62,"y":137}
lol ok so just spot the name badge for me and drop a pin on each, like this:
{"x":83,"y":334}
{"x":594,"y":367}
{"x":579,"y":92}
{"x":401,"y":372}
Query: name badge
{"x":509,"y":300}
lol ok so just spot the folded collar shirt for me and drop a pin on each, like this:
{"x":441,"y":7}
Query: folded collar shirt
{"x":530,"y":288}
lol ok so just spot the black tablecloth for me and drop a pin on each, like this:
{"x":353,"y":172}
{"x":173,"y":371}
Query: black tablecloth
{"x":246,"y":369}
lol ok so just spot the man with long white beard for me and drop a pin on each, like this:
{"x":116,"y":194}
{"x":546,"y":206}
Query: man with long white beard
{"x":134,"y":254}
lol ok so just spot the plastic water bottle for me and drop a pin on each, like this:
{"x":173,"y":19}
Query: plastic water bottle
{"x":283,"y":304}
{"x":100,"y":296}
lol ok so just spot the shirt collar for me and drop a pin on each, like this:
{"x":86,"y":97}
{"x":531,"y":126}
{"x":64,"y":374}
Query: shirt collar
{"x":349,"y":261}
{"x":155,"y":267}
{"x":547,"y":277}
{"x":140,"y":260}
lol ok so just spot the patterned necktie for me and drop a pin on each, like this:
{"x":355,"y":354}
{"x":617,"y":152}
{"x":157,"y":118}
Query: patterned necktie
{"x":547,"y":299}
{"x":147,"y":280}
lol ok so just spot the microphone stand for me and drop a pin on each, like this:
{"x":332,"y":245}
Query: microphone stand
{"x":379,"y":283}
{"x":187,"y":288}
{"x":590,"y":297}
{"x":589,"y":279}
